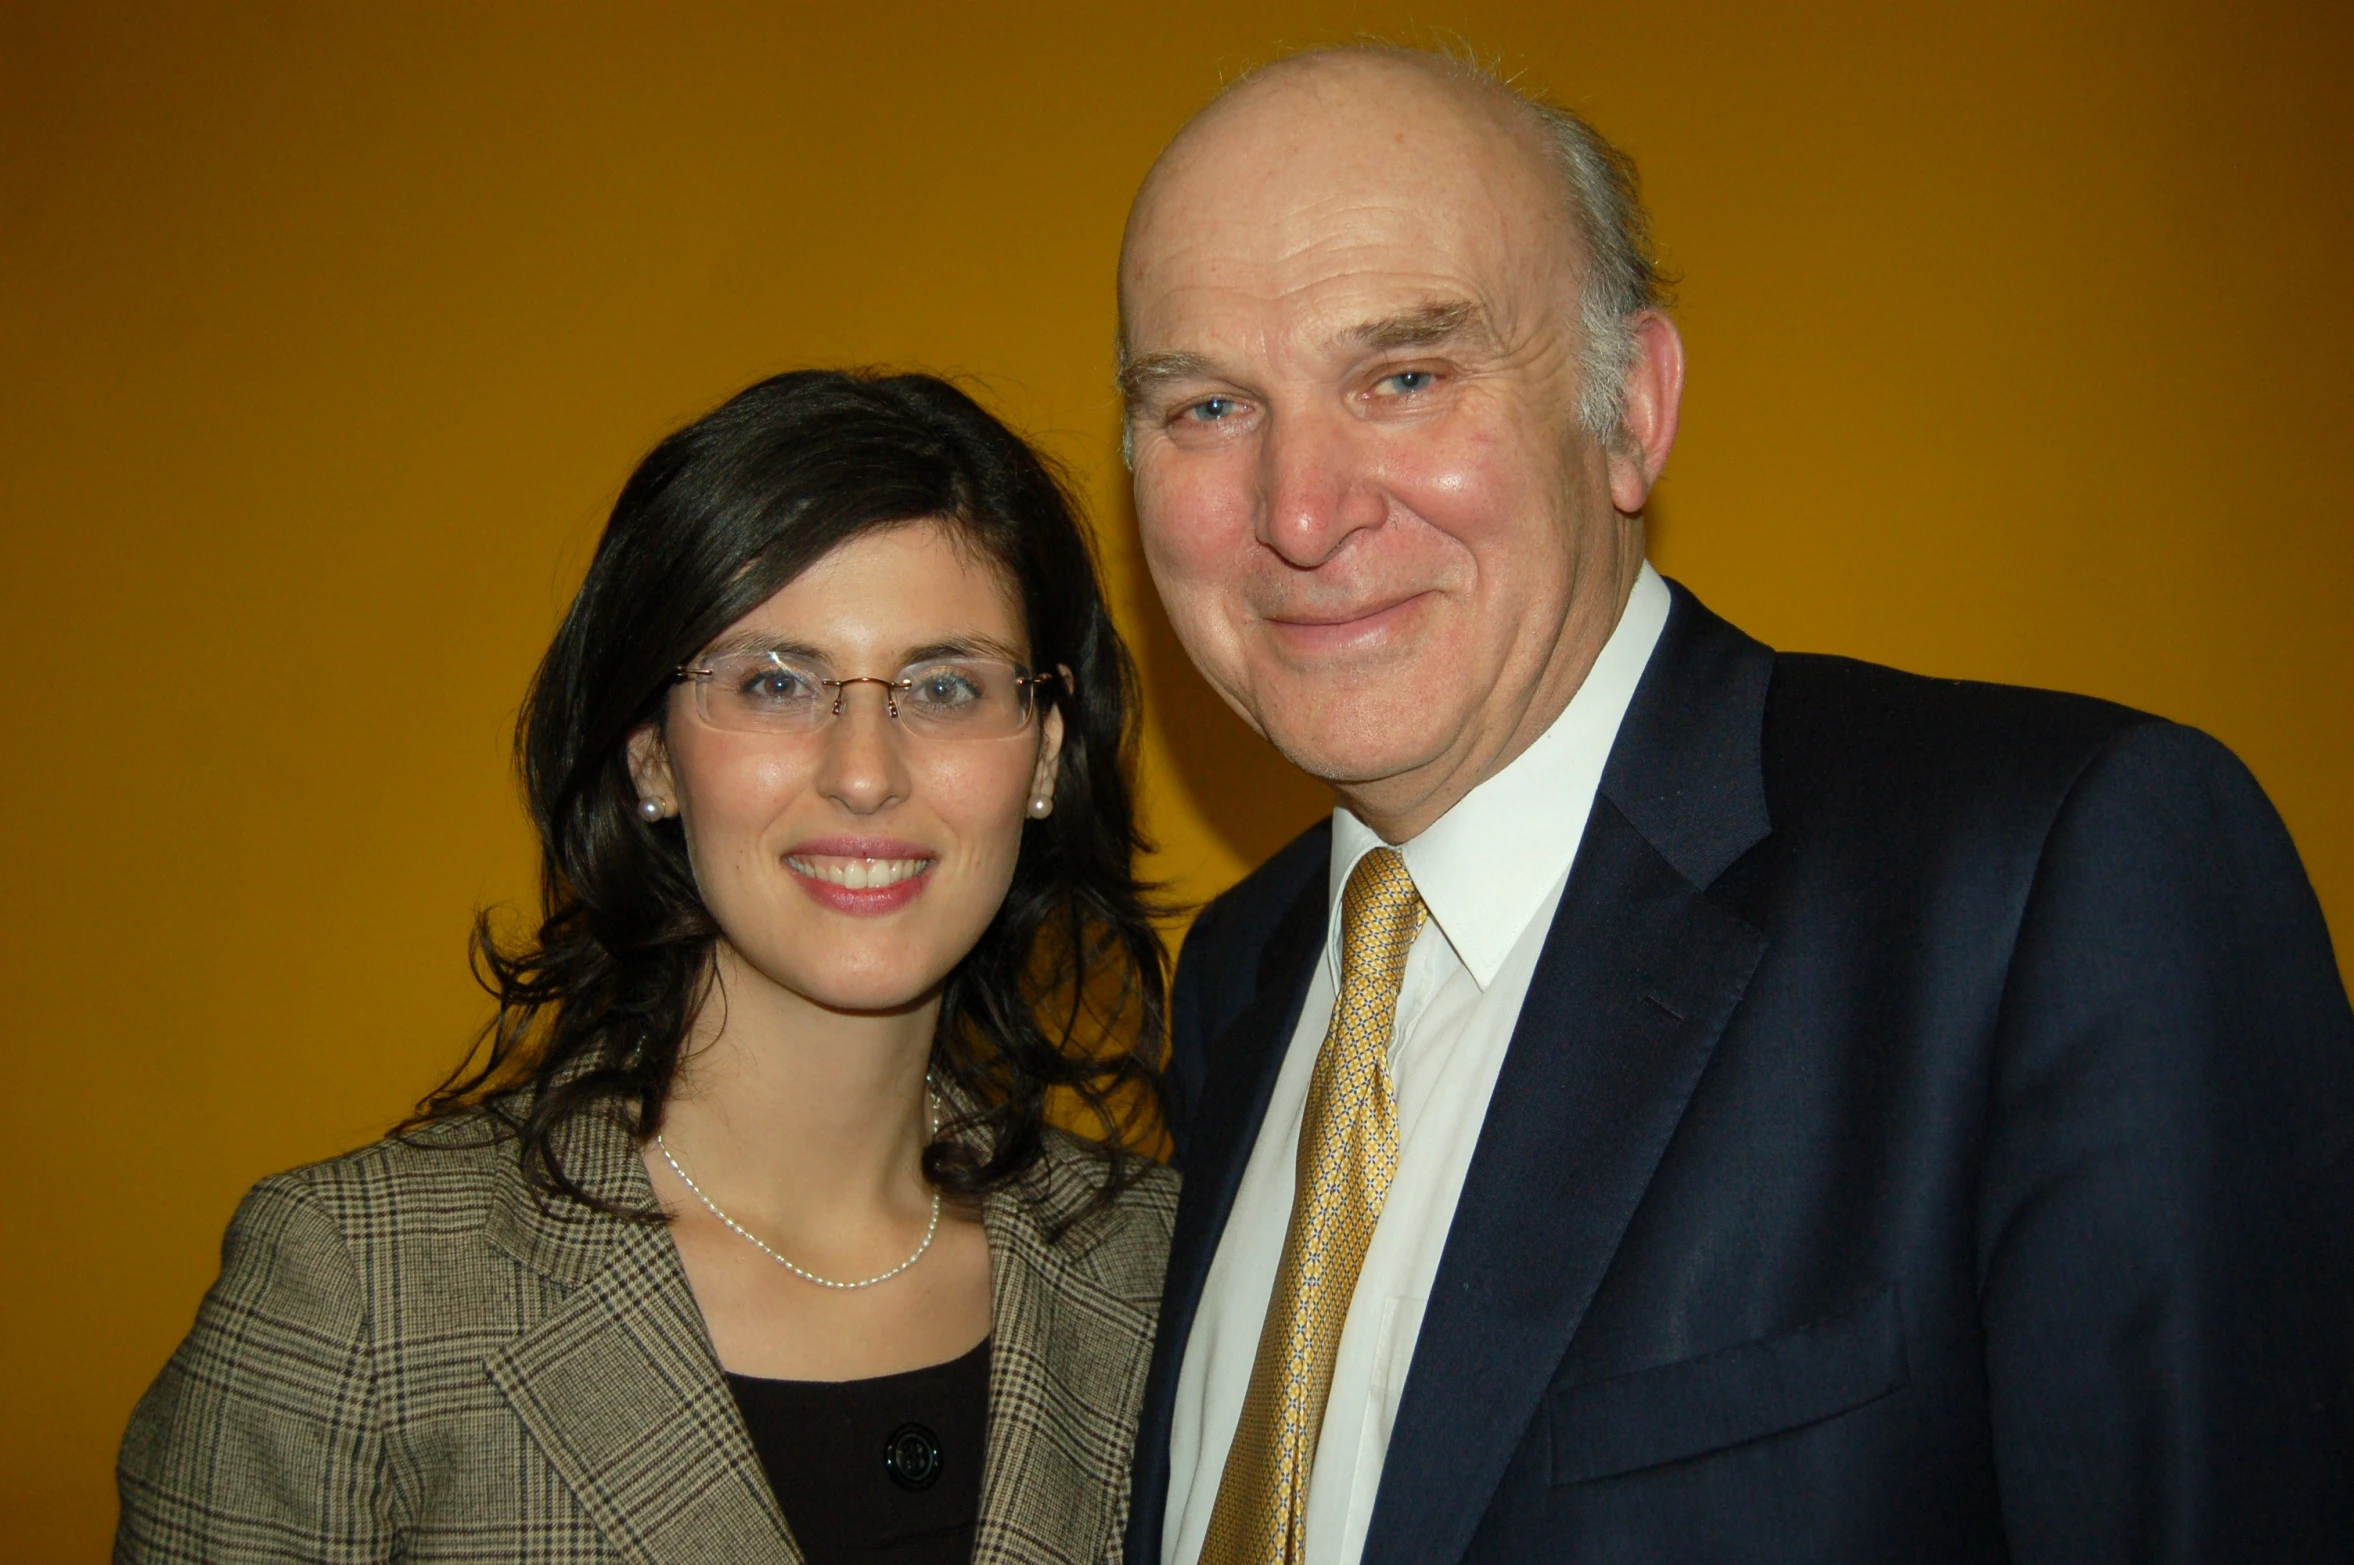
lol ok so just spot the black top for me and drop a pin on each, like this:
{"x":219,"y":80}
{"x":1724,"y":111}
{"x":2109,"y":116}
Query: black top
{"x":875,"y":1472}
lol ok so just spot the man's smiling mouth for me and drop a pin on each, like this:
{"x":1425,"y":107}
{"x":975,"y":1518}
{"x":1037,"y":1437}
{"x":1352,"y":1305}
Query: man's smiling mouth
{"x":1340,"y":630}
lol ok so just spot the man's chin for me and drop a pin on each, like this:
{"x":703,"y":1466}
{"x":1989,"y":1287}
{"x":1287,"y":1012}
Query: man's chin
{"x":1350,"y":754}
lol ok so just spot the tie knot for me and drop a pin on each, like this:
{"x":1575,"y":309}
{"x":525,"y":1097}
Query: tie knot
{"x":1380,"y":914}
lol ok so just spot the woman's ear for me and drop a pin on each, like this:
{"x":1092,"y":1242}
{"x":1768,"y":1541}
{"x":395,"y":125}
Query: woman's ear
{"x":649,"y":770}
{"x":1050,"y":755}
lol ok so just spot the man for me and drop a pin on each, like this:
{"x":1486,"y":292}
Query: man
{"x":1691,"y":1102}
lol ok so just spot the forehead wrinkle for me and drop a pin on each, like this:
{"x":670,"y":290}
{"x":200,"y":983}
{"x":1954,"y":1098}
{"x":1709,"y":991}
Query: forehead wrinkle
{"x":1299,"y":141}
{"x":1287,"y":243}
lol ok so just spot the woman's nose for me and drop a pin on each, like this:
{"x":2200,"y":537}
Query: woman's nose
{"x":864,"y":766}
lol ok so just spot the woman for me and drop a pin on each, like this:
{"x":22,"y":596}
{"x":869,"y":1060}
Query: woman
{"x":749,"y":1240}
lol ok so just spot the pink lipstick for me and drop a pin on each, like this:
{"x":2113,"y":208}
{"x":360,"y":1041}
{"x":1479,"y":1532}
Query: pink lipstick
{"x":861,"y":875}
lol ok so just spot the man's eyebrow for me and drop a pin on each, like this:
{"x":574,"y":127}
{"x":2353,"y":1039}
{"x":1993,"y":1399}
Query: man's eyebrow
{"x":1422,"y":327}
{"x":1149,"y":371}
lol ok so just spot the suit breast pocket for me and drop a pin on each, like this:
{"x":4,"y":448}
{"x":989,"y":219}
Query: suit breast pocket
{"x":1730,"y":1397}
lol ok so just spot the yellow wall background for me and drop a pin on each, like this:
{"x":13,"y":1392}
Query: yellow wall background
{"x":2021,"y":346}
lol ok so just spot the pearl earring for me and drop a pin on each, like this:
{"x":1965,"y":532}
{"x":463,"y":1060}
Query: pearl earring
{"x":651,"y":809}
{"x":1040,"y":806}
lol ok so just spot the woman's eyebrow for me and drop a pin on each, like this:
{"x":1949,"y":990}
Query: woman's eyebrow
{"x":966,"y":647}
{"x":976,"y":646}
{"x":781,"y":647}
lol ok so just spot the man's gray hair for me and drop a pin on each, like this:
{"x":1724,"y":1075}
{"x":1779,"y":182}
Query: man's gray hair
{"x":1622,"y":276}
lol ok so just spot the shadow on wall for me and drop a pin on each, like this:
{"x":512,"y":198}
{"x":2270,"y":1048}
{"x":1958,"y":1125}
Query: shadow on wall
{"x":1253,"y":799}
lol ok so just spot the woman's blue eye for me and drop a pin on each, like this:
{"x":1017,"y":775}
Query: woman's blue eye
{"x":943,"y":689}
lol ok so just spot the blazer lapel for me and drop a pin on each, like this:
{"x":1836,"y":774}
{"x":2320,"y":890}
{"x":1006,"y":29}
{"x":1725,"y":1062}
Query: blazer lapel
{"x":1065,"y":1350}
{"x":620,"y":1389}
{"x":1638,"y":977}
{"x":1243,"y":1066}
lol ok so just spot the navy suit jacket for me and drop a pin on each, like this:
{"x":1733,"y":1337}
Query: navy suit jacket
{"x":1926,"y":1138}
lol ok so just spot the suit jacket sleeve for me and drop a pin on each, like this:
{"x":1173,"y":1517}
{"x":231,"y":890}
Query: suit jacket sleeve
{"x":258,"y":1442}
{"x":2164,"y":1226}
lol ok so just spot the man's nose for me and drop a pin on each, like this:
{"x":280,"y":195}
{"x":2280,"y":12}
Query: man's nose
{"x":864,"y":765}
{"x":1320,"y":482}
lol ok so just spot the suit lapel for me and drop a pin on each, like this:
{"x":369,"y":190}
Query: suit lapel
{"x":618,"y":1385}
{"x":1638,"y":977}
{"x":1243,"y":1066}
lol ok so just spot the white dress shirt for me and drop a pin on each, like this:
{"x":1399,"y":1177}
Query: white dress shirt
{"x":1491,"y":871}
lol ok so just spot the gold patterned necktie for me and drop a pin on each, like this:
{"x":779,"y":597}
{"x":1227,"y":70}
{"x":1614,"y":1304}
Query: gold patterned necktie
{"x":1348,"y":1151}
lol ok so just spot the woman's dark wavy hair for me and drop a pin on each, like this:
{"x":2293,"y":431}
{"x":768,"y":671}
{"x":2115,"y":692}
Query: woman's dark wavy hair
{"x":1065,"y":992}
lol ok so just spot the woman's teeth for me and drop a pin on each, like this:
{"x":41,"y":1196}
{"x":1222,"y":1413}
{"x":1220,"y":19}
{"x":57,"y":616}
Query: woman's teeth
{"x":858,"y":874}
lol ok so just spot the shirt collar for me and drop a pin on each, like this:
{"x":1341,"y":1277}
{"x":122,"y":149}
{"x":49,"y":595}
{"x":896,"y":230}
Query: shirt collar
{"x":1487,"y":866}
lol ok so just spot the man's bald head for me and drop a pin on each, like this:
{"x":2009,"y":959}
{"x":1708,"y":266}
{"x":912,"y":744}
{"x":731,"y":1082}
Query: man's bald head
{"x":1588,"y":187}
{"x":1397,"y":393}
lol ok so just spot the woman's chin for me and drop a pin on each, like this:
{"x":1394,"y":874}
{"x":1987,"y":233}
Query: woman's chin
{"x":890,"y":1002}
{"x":868,"y":994}
{"x":847,"y":982}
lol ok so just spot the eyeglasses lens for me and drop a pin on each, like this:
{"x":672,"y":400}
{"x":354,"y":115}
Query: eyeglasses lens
{"x":947,"y":698}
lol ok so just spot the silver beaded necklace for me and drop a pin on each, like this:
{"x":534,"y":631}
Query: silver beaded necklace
{"x":930,"y":1229}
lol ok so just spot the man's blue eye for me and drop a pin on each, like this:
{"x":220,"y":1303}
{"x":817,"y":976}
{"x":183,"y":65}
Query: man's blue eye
{"x":1409,"y":380}
{"x":1210,"y":409}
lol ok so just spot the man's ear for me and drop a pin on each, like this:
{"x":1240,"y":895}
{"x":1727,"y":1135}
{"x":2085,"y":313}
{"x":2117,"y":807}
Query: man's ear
{"x":1647,"y":424}
{"x":649,"y":769}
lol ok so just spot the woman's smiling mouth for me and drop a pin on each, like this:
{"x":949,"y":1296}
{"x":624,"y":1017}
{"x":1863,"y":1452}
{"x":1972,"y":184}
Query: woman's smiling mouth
{"x":856,"y":874}
{"x":865,"y":875}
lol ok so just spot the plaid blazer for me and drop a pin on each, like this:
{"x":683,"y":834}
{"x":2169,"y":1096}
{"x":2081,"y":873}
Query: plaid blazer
{"x":410,"y":1355}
